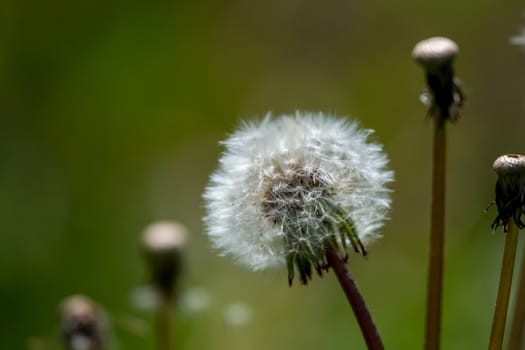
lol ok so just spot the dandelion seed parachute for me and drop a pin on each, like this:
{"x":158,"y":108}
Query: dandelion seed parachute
{"x":287,"y":185}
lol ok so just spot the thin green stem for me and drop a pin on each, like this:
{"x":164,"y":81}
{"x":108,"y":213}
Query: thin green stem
{"x":437,"y":239}
{"x":354,"y":297}
{"x":505,"y":282}
{"x":164,"y":326}
{"x":518,"y":320}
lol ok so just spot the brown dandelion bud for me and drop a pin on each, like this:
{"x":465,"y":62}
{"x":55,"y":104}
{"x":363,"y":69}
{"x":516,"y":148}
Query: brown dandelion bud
{"x":510,"y":189}
{"x":82,"y":325}
{"x":436,"y":55}
{"x":162,"y":244}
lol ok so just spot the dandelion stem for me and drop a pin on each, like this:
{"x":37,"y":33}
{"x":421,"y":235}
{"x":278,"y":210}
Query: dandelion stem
{"x":164,"y":327}
{"x":437,"y":238}
{"x":518,"y":320}
{"x":505,"y":282}
{"x":368,"y":328}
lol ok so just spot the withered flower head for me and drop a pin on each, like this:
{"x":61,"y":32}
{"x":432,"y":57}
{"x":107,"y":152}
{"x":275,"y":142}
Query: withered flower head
{"x":510,"y":189}
{"x":162,"y":243}
{"x":436,"y":56}
{"x":82,"y":325}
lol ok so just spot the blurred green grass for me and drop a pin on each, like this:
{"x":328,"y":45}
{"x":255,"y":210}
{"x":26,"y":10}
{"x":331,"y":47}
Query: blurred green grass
{"x":111,"y":116}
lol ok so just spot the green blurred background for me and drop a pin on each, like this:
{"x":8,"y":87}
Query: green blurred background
{"x":111,"y":114}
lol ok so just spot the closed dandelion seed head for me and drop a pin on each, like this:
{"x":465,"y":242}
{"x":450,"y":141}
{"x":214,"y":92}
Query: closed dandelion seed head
{"x":287,"y":186}
{"x":510,"y":190}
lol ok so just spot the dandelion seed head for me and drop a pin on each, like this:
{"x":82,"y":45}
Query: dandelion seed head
{"x":279,"y":179}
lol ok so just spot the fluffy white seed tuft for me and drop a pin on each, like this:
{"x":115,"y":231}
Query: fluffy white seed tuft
{"x":279,"y":180}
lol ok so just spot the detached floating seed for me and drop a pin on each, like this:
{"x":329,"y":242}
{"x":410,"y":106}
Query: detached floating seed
{"x":510,"y":189}
{"x":436,"y":56}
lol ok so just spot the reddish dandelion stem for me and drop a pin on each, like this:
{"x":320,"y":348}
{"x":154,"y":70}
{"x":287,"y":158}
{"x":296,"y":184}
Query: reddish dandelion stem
{"x":354,"y":297}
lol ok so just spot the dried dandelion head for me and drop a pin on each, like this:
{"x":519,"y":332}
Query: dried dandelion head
{"x":510,"y":189}
{"x":444,"y":98}
{"x":82,"y":324}
{"x":162,"y":245}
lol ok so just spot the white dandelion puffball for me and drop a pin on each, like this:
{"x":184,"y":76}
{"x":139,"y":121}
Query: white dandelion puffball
{"x":286,"y":186}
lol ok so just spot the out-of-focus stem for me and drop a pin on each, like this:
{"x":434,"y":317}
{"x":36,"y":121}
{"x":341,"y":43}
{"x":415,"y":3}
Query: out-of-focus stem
{"x":505,"y":282}
{"x":437,"y":238}
{"x":164,"y":324}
